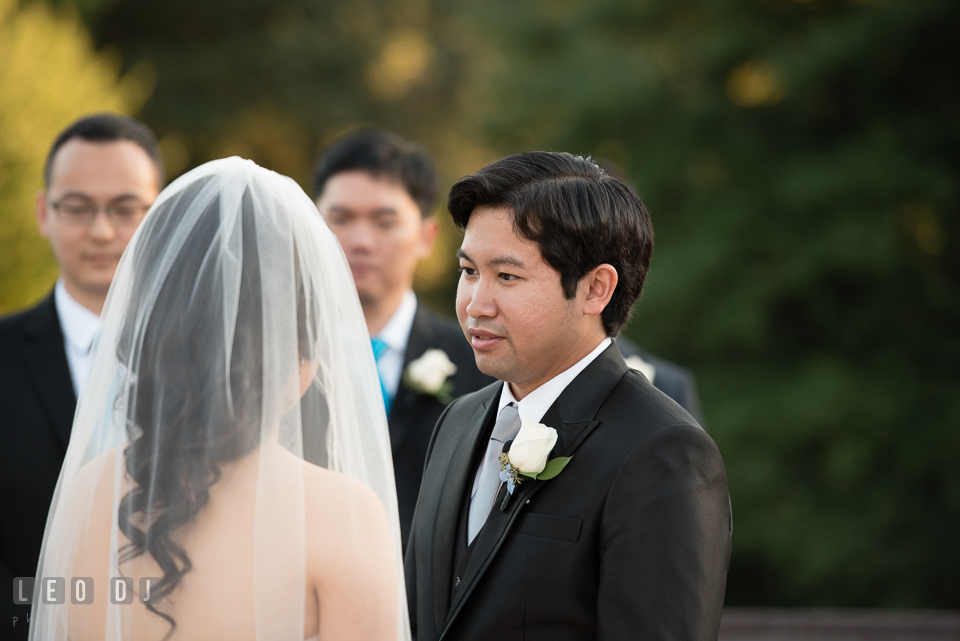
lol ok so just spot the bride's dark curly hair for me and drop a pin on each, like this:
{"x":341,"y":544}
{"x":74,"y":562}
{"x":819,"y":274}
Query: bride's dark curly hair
{"x":189,"y":412}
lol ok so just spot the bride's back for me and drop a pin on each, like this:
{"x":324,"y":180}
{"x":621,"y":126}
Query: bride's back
{"x":214,"y":600}
{"x":186,"y":458}
{"x":347,"y":548}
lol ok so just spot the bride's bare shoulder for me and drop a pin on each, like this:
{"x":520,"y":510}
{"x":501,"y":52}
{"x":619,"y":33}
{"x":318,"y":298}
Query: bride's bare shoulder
{"x":350,"y":541}
{"x":96,"y":476}
{"x":340,"y":509}
{"x":332,"y":494}
{"x":86,"y":496}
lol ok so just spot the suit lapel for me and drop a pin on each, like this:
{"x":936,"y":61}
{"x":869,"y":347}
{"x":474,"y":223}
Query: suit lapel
{"x":406,"y":411}
{"x":407,"y":405}
{"x":573,"y":417}
{"x":45,"y":359}
{"x":458,"y":474}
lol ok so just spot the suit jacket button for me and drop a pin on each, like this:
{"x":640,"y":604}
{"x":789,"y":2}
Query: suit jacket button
{"x":456,"y":583}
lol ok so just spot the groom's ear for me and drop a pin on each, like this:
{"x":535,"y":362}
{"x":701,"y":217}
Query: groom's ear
{"x":599,"y":284}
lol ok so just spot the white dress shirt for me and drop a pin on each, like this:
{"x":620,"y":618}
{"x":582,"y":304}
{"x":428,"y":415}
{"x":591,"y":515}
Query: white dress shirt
{"x":535,"y":404}
{"x":80,"y":327}
{"x":395,"y":335}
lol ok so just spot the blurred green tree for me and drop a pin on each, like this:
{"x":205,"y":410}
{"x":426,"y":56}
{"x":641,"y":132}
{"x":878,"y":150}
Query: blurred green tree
{"x":49,"y":76}
{"x":801,"y":161}
{"x":276,"y":81}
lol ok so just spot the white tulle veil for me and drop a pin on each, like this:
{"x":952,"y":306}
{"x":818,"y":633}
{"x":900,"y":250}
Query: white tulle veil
{"x":195,"y":443}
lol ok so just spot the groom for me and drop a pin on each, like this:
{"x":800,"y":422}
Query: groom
{"x":632,"y":538}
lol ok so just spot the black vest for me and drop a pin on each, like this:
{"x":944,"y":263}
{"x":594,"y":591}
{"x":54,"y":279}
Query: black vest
{"x":461,"y":551}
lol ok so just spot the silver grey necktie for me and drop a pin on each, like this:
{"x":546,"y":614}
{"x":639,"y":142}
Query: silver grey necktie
{"x":506,"y":428}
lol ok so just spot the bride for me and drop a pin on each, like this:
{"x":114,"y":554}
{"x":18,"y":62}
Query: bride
{"x":186,"y":507}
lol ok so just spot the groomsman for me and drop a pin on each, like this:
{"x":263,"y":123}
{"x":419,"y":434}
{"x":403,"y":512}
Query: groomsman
{"x":102,"y":174}
{"x":675,"y":381}
{"x":631,"y":538}
{"x":377,"y":192}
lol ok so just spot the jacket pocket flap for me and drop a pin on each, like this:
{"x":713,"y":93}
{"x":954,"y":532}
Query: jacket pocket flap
{"x":547,"y":526}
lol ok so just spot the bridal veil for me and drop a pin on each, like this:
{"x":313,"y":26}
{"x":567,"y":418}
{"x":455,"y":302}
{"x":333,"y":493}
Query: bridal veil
{"x":229,"y":471}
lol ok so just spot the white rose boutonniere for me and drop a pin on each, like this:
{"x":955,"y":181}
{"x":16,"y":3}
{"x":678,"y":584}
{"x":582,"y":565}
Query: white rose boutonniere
{"x":531,"y":447}
{"x":527,"y":457}
{"x":430,"y":374}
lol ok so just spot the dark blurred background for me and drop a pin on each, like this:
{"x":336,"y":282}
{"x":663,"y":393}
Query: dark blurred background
{"x":800,"y":159}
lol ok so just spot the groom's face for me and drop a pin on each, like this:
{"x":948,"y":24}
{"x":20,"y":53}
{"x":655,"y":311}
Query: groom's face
{"x":511,"y":306}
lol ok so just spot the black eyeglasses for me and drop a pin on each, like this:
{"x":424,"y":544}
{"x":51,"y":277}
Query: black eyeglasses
{"x":84,"y":213}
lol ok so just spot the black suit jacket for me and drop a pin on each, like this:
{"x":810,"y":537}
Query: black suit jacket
{"x":413,"y":416}
{"x":37,"y":403}
{"x":673,"y":380}
{"x":630,"y":541}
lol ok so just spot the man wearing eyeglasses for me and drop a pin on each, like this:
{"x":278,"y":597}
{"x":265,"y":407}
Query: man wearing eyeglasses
{"x":102,"y":174}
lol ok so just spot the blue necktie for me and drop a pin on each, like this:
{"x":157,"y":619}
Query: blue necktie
{"x":379,"y":348}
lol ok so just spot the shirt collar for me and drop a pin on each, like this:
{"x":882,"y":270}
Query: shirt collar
{"x":78,"y":323}
{"x":535,"y":404}
{"x":396,"y":332}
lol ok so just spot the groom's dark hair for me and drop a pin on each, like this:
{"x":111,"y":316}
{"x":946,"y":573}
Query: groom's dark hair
{"x":579,"y":215}
{"x":382,"y":155}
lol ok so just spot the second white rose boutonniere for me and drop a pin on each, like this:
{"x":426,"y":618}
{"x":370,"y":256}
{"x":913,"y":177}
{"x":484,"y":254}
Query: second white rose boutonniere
{"x":642,"y":366}
{"x":527,"y":457}
{"x":430,"y":374}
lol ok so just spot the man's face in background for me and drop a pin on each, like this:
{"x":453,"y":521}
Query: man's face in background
{"x":381,"y":230}
{"x":84,"y":175}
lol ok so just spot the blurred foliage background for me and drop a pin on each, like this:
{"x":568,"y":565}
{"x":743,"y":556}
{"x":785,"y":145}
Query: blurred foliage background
{"x":50,"y":74}
{"x":800,"y":159}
